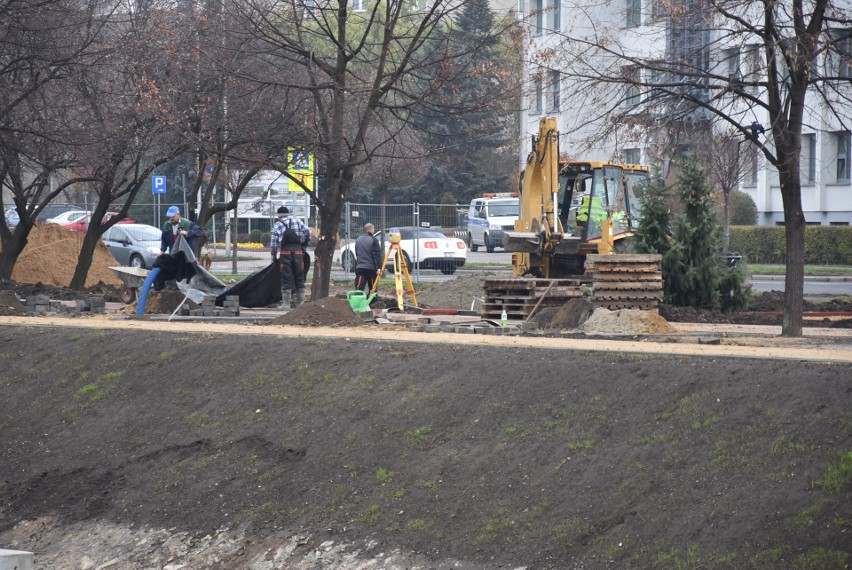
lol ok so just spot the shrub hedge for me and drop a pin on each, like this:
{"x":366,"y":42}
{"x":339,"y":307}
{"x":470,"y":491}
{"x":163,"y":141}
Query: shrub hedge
{"x":824,"y":245}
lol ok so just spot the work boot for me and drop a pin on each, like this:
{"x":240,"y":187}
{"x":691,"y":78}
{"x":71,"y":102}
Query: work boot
{"x":300,"y":297}
{"x":285,"y":300}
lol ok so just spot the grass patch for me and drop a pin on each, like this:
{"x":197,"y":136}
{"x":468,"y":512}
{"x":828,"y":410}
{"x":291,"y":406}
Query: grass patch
{"x":383,"y":475}
{"x":370,"y":515}
{"x":419,"y":524}
{"x":810,"y":270}
{"x":706,"y":422}
{"x":822,"y":559}
{"x":838,"y":475}
{"x":585,"y":444}
{"x":418,"y":435}
{"x":492,"y":528}
{"x":431,"y":485}
{"x":682,"y":407}
{"x":168,"y":354}
{"x":100,"y":388}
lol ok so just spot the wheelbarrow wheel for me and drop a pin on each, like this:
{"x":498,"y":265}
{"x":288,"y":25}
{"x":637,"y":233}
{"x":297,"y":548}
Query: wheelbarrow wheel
{"x":128,"y":295}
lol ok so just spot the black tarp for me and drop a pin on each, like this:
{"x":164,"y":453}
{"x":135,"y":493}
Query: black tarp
{"x":259,"y":289}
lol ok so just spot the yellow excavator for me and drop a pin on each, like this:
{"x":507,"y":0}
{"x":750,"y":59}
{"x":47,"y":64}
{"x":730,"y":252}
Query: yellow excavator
{"x":571,"y":209}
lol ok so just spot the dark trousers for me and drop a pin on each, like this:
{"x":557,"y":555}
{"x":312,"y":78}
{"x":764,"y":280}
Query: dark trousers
{"x":292,"y":268}
{"x":364,"y":278}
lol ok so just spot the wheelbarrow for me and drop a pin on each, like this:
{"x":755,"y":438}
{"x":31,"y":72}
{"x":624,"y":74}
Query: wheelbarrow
{"x":132,"y":278}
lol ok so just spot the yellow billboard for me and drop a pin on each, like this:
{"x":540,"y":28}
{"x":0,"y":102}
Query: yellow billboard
{"x":300,"y":165}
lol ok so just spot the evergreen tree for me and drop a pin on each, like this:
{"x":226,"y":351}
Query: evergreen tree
{"x":697,"y":251}
{"x":743,"y":209}
{"x":470,"y":130}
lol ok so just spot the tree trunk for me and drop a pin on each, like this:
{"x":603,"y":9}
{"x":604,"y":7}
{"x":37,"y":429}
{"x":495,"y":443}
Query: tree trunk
{"x":328,"y":220}
{"x":726,"y":222}
{"x":794,"y":235}
{"x":12,"y":249}
{"x":84,"y":259}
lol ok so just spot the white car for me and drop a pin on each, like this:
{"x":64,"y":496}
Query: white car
{"x":422,"y":247}
{"x":66,"y":217}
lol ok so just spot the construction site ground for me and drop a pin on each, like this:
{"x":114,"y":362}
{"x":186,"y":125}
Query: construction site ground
{"x":309,"y":440}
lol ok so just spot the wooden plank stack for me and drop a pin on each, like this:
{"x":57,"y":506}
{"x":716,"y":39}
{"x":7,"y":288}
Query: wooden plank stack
{"x":625,"y":281}
{"x":521,"y":295}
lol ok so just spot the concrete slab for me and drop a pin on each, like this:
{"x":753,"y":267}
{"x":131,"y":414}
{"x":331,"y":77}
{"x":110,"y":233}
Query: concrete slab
{"x":16,"y":560}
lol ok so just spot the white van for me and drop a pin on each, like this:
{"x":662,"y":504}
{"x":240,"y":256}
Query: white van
{"x":488,"y":217}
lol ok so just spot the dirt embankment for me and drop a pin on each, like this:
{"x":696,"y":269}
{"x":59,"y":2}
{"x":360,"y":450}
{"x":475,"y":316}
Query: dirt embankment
{"x":179,"y":450}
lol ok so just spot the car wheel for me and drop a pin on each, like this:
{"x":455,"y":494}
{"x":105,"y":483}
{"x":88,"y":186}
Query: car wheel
{"x":489,"y":246}
{"x":128,"y":295}
{"x":137,"y":261}
{"x":448,"y":269}
{"x":347,"y":260}
{"x":473,"y":247}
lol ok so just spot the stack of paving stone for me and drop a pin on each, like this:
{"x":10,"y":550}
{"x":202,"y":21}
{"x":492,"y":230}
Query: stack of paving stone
{"x":520,"y":296}
{"x":42,"y":305}
{"x":231,"y":306}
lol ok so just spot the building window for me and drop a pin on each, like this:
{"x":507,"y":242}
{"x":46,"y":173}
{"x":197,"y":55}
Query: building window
{"x":359,"y":5}
{"x":633,"y":16}
{"x":554,"y":85}
{"x":660,"y":8}
{"x":555,"y":15}
{"x":842,"y":161}
{"x":808,"y":160}
{"x":632,"y":94}
{"x":753,"y":70}
{"x":844,"y":54}
{"x":751,"y":166}
{"x":537,"y":14}
{"x":632,"y":156}
{"x":537,"y":95}
{"x":838,"y":223}
{"x":731,"y":61}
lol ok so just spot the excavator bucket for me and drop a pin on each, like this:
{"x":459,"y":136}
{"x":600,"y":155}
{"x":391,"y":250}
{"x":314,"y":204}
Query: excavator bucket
{"x":522,"y":242}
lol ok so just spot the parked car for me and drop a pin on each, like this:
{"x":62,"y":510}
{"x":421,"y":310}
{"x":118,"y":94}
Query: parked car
{"x":66,"y":217}
{"x":12,"y":218}
{"x":82,"y":224}
{"x":54,"y":210}
{"x":134,"y":245}
{"x":435,"y":250}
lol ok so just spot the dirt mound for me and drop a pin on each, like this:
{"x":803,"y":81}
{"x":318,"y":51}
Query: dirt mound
{"x":161,"y":303}
{"x":10,"y":305}
{"x":456,"y":293}
{"x":328,"y":312}
{"x":634,"y":321}
{"x":50,"y":257}
{"x":572,"y":314}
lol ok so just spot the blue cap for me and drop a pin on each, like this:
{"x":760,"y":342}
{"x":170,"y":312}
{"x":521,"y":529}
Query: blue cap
{"x":172,"y":211}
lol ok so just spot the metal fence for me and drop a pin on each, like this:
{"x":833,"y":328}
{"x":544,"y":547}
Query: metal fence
{"x":450,"y":219}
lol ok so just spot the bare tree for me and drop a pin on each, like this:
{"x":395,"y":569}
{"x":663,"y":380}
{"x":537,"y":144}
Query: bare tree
{"x":793,"y":71}
{"x":41,"y":46}
{"x":359,"y":66}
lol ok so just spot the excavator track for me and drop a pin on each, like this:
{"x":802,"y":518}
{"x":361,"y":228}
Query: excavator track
{"x":625,"y":281}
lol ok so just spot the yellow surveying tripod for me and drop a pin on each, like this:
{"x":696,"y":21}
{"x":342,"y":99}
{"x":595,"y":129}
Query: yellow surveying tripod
{"x":400,"y":268}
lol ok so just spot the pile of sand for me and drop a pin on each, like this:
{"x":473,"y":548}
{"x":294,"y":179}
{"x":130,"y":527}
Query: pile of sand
{"x":626,"y":321}
{"x":50,"y":257}
{"x":328,"y":312}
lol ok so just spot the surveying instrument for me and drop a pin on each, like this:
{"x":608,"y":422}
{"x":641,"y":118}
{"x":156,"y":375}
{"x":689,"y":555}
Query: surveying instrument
{"x":400,"y":269}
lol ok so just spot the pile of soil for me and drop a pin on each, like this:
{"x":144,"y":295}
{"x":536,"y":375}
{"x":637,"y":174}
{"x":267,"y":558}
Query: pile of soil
{"x":50,"y":257}
{"x":161,"y":303}
{"x":10,"y":305}
{"x":631,"y":321}
{"x":572,"y":314}
{"x":328,"y":312}
{"x":458,"y":293}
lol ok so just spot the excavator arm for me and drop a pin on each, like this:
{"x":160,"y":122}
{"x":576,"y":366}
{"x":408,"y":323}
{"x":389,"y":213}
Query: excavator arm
{"x":538,"y":233}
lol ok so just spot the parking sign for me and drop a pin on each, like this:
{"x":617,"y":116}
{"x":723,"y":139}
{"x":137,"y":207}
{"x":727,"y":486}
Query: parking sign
{"x":158,"y":184}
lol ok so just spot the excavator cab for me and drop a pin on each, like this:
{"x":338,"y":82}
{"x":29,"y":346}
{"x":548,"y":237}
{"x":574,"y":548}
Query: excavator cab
{"x":591,"y":192}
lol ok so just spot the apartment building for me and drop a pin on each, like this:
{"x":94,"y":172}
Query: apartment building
{"x":589,"y":122}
